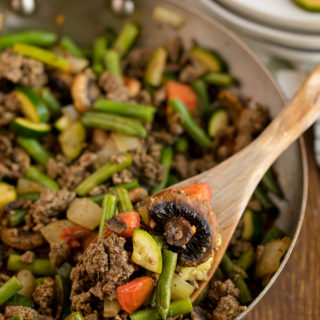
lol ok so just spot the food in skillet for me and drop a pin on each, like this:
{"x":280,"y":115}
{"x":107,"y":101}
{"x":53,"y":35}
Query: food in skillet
{"x":88,"y":141}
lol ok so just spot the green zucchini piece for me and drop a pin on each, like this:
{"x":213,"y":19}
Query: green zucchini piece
{"x":125,"y":39}
{"x":32,"y":106}
{"x":155,"y":67}
{"x":252,"y":226}
{"x":63,"y":123}
{"x":218,"y":120}
{"x":7,"y":194}
{"x":273,"y":233}
{"x":27,"y":128}
{"x":180,"y":288}
{"x":220,"y":79}
{"x":146,"y":251}
{"x":51,"y":101}
{"x":310,"y":5}
{"x":209,"y":60}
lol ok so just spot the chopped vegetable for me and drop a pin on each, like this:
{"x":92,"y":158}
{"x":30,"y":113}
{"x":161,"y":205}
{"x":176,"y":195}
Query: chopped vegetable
{"x":27,"y":128}
{"x":67,"y":44}
{"x":220,"y":79}
{"x":133,"y":85}
{"x":26,"y":279}
{"x":125,"y":39}
{"x":7,"y":194}
{"x":142,"y":112}
{"x":263,"y":198}
{"x":75,"y":316}
{"x":17,"y":217}
{"x":246,"y":260}
{"x":109,"y":205}
{"x":182,"y":145}
{"x":146,"y":252}
{"x":34,"y":149}
{"x":124,"y":200}
{"x":110,"y":308}
{"x":115,"y":123}
{"x":9,"y":288}
{"x":183,"y":92}
{"x":51,"y":101}
{"x":25,"y":186}
{"x":126,"y":143}
{"x":34,"y":174}
{"x":34,"y":196}
{"x":200,"y":88}
{"x":132,"y":222}
{"x":102,"y":174}
{"x":85,"y":213}
{"x":273,"y":233}
{"x":252,"y":226}
{"x":180,"y":289}
{"x":187,"y":122}
{"x":72,"y":139}
{"x":132,"y":295}
{"x":32,"y":106}
{"x":271,"y":184}
{"x":99,"y":48}
{"x":73,"y":235}
{"x":199,"y":272}
{"x":163,"y":290}
{"x":210,"y":61}
{"x":310,"y":5}
{"x":45,"y":56}
{"x":35,"y":37}
{"x":40,"y":267}
{"x":218,"y":120}
{"x":168,"y":16}
{"x":20,"y":300}
{"x":155,"y":67}
{"x":112,"y":62}
{"x":52,"y":231}
{"x":200,"y":191}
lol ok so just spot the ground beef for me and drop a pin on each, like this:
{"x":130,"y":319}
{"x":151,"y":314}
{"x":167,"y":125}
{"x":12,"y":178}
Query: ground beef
{"x":102,"y":268}
{"x":124,"y":176}
{"x":136,"y":61}
{"x":50,"y":205}
{"x":137,"y":195}
{"x":227,"y":308}
{"x":232,"y":103}
{"x":44,"y":295}
{"x":25,"y":313}
{"x":143,"y":97}
{"x":220,"y":289}
{"x":59,"y":252}
{"x":113,"y":87}
{"x":14,"y":161}
{"x":3,"y":278}
{"x":28,"y":257}
{"x":9,"y":108}
{"x":21,"y":70}
{"x":198,"y":314}
{"x":191,"y":72}
{"x":159,"y":97}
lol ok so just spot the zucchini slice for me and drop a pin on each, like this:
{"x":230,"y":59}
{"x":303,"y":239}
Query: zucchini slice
{"x":209,"y":60}
{"x":310,"y":5}
{"x":218,"y":120}
{"x":220,"y":79}
{"x":252,"y":226}
{"x":146,"y":252}
{"x":7,"y":194}
{"x":27,"y":128}
{"x":32,"y":106}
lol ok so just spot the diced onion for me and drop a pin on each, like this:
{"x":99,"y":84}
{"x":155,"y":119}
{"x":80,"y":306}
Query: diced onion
{"x":168,"y":16}
{"x":111,"y":308}
{"x":52,"y":231}
{"x":27,"y":280}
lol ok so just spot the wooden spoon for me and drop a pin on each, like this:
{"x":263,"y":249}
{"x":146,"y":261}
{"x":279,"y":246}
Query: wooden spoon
{"x":234,"y":180}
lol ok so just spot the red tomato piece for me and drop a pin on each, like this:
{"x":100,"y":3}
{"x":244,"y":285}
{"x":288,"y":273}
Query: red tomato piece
{"x":74,"y":235}
{"x":133,"y":294}
{"x":201,"y":191}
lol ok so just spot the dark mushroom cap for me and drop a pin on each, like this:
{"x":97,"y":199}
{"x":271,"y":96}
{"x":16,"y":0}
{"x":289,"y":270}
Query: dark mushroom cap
{"x":173,"y":203}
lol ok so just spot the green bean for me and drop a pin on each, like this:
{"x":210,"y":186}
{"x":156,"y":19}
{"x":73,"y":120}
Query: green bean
{"x":271,"y":184}
{"x":125,"y":204}
{"x":273,"y":233}
{"x":112,"y":62}
{"x":163,"y":294}
{"x":17,"y":217}
{"x":155,"y":67}
{"x":51,"y":101}
{"x":189,"y":125}
{"x":67,"y":44}
{"x":15,"y":318}
{"x":32,"y":196}
{"x":99,"y":48}
{"x":263,"y":198}
{"x":102,"y":174}
{"x":109,"y":205}
{"x":125,"y":39}
{"x":41,"y":267}
{"x":75,"y":316}
{"x":40,"y":38}
{"x":9,"y":288}
{"x":34,"y":149}
{"x":172,"y":179}
{"x":182,"y":145}
{"x":143,"y":112}
{"x":246,"y":260}
{"x":200,"y":87}
{"x":115,"y":123}
{"x":226,"y":266}
{"x":165,"y":161}
{"x":87,"y":53}
{"x":42,"y":55}
{"x":218,"y":274}
{"x":220,"y":79}
{"x":183,"y":306}
{"x":34,"y":174}
{"x":20,"y":300}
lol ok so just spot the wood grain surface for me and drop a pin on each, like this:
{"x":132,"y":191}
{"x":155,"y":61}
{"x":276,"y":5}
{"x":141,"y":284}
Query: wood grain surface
{"x":296,"y":293}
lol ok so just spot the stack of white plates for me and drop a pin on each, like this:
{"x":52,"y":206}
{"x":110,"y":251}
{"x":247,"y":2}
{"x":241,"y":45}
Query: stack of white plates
{"x":278,"y":27}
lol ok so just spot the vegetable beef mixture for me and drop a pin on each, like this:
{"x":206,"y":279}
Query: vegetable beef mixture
{"x":89,"y":141}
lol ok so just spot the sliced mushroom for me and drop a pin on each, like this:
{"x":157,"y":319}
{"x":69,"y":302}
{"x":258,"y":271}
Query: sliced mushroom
{"x":84,"y":90}
{"x":21,"y":239}
{"x":116,"y":225}
{"x":189,"y":225}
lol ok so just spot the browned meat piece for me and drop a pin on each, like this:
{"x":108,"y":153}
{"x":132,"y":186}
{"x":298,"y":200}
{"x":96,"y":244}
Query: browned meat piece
{"x":60,"y":83}
{"x":173,"y":121}
{"x":232,"y":103}
{"x":138,"y":195}
{"x":59,"y":252}
{"x":174,"y":48}
{"x":92,"y":316}
{"x":3,"y":278}
{"x":50,"y":205}
{"x":28,"y":257}
{"x":14,"y":161}
{"x":113,"y":87}
{"x":44,"y":296}
{"x":220,"y":289}
{"x":191,"y":72}
{"x":9,"y":108}
{"x":102,"y":268}
{"x":25,"y":313}
{"x":22,"y":70}
{"x":228,"y":308}
{"x":198,"y":314}
{"x":124,"y":176}
{"x":159,"y":97}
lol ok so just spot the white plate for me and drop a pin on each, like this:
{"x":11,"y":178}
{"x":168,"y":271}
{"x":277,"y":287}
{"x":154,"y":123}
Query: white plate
{"x":280,"y":13}
{"x":259,"y":31}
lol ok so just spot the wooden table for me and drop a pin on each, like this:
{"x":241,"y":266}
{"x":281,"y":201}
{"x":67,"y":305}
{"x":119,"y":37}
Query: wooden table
{"x":296,"y":293}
